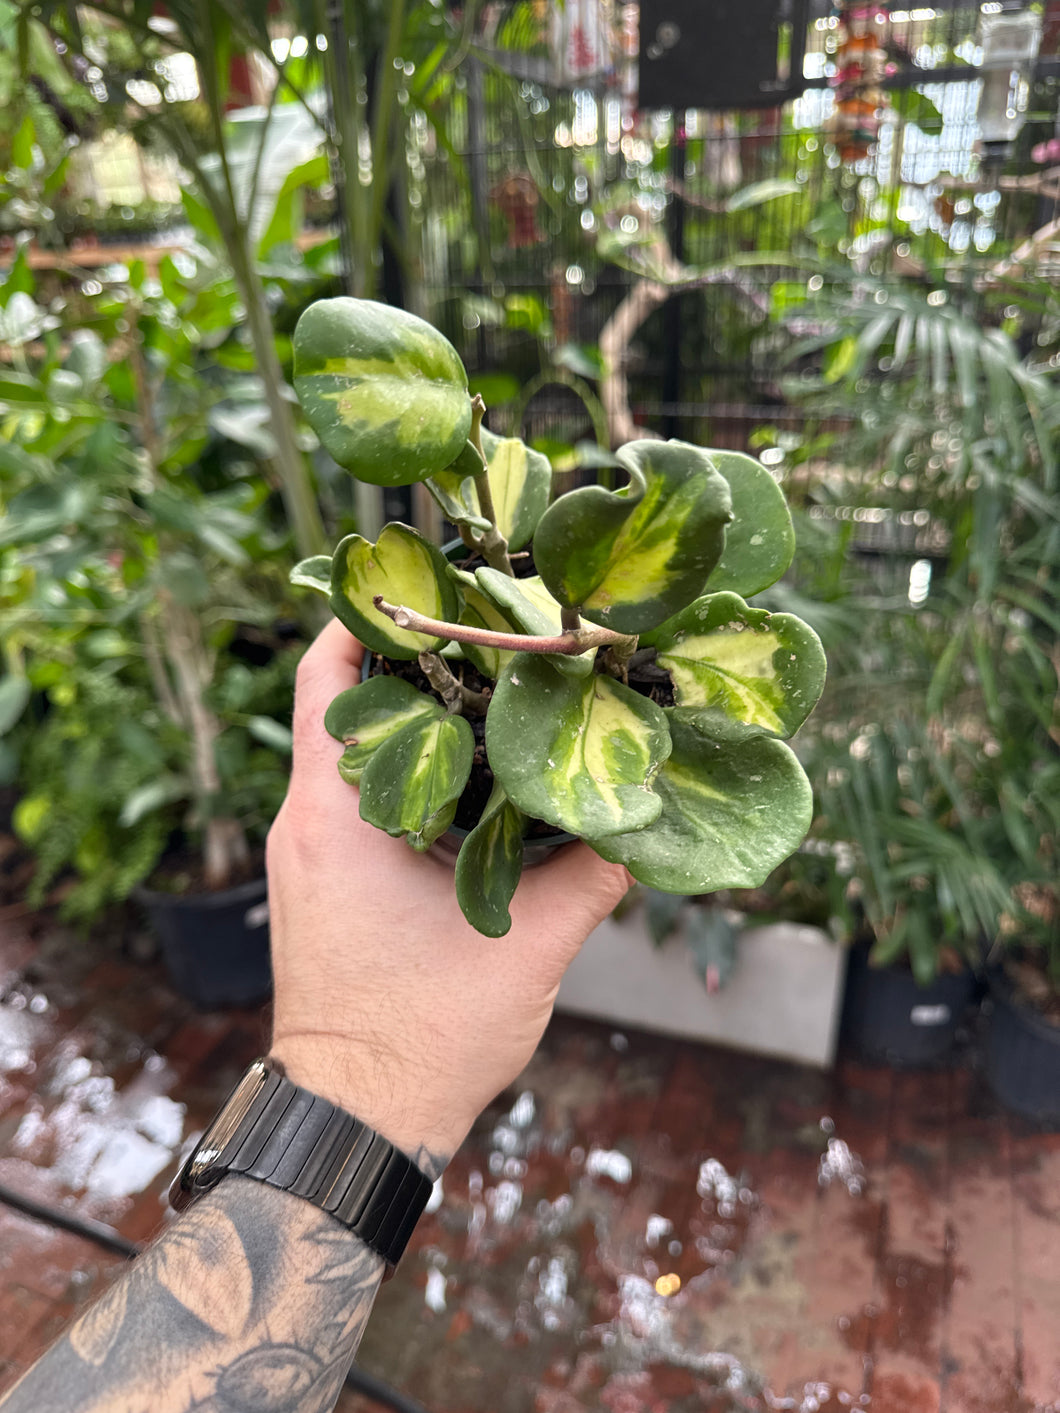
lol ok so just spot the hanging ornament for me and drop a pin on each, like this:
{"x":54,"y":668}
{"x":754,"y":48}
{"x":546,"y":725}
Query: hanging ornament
{"x":861,"y":62}
{"x":582,"y":40}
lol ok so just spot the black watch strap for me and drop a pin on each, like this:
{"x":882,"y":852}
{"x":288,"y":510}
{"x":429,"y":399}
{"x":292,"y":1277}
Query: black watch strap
{"x":300,"y":1143}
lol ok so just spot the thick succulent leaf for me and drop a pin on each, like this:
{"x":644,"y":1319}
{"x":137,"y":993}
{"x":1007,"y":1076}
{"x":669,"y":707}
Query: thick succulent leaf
{"x":313,"y":573}
{"x":412,"y":782}
{"x":740,"y":671}
{"x":731,"y":812}
{"x":520,"y":483}
{"x":532,"y":609}
{"x":481,"y":612}
{"x":713,"y":942}
{"x":363,"y":717}
{"x":407,"y":570}
{"x":760,"y":542}
{"x":384,"y":391}
{"x":454,"y":493}
{"x":489,"y":865}
{"x":579,"y":753}
{"x":630,"y":559}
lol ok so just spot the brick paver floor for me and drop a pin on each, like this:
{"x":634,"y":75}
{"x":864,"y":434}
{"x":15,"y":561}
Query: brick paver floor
{"x":639,"y":1224}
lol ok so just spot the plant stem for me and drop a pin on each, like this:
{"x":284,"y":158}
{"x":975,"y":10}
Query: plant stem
{"x":492,"y":546}
{"x":569,"y":644}
{"x":460,"y":700}
{"x":570,"y":620}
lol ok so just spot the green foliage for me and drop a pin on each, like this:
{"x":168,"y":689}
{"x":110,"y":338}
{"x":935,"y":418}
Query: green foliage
{"x":677,"y":773}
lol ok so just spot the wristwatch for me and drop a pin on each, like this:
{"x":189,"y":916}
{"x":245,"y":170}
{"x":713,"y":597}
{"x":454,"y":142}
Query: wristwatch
{"x":276,"y":1132}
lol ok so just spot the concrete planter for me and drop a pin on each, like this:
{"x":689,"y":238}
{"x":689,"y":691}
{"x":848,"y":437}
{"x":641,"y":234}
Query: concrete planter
{"x":784,"y":997}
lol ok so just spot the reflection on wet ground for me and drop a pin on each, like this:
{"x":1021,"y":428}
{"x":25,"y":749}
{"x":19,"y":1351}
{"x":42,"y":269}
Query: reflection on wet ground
{"x":639,"y":1224}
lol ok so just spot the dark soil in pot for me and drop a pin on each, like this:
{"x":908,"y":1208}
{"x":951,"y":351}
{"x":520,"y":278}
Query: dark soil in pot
{"x":1023,"y":1051}
{"x":888,"y":1019}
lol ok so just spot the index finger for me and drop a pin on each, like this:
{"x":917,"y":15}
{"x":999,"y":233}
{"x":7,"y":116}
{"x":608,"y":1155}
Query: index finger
{"x":330,"y":665}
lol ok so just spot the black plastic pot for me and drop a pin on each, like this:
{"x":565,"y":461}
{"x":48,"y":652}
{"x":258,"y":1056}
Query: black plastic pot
{"x":1022,"y":1056}
{"x":888,"y":1019}
{"x":215,"y":945}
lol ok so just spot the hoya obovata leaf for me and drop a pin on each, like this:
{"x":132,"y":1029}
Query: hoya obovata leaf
{"x":363,"y":717}
{"x":412,"y":782}
{"x":630,"y":559}
{"x":313,"y":573}
{"x":740,"y":671}
{"x":520,"y":481}
{"x":530,"y":606}
{"x":489,"y":865}
{"x":760,"y":542}
{"x":579,"y":753}
{"x":406,"y":570}
{"x":731,"y":812}
{"x":481,"y":612}
{"x":384,"y":391}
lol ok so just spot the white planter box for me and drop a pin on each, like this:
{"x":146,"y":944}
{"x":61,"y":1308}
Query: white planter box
{"x":783,"y":998}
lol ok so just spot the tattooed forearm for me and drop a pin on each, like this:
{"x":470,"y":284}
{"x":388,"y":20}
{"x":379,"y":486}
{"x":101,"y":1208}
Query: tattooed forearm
{"x":254,"y":1299}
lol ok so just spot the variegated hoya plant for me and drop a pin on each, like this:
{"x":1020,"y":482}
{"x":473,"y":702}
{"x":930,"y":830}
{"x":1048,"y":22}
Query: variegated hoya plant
{"x":640,"y":587}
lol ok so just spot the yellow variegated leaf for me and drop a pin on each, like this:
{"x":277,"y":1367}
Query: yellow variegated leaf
{"x":407,"y":571}
{"x":413,"y":781}
{"x":363,"y":717}
{"x":579,"y":753}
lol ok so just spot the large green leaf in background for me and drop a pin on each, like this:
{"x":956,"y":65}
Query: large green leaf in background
{"x":740,"y":671}
{"x":731,"y":812}
{"x":629,"y":559}
{"x":520,"y":482}
{"x":408,"y":571}
{"x":489,"y":865}
{"x":363,"y":717}
{"x":412,"y":782}
{"x":384,"y":391}
{"x":760,"y":542}
{"x":579,"y":753}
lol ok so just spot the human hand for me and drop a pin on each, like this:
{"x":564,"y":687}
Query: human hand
{"x":387,"y":1002}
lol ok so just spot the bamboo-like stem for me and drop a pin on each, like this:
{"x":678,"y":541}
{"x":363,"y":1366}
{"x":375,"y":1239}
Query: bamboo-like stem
{"x":156,"y":668}
{"x":383,"y":114}
{"x":460,"y":700}
{"x":569,"y":644}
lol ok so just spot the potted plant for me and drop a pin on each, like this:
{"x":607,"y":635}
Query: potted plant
{"x":587,"y":668}
{"x":132,"y":573}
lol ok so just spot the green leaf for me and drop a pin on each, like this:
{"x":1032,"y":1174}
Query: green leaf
{"x":87,"y":358}
{"x":313,"y":573}
{"x":489,"y":865}
{"x":579,"y":753}
{"x":481,"y":612}
{"x":663,"y":913}
{"x":22,"y":144}
{"x":384,"y":391}
{"x":151,"y":797}
{"x":406,"y":570}
{"x":272,"y":733}
{"x":731,"y":812}
{"x":629,"y":559}
{"x":14,"y":694}
{"x":412,"y":782}
{"x":760,"y":541}
{"x":285,"y":219}
{"x":915,"y":107}
{"x":520,"y":483}
{"x":740,"y":671}
{"x":532,"y":609}
{"x":759,"y":192}
{"x":363,"y":717}
{"x":712,"y":940}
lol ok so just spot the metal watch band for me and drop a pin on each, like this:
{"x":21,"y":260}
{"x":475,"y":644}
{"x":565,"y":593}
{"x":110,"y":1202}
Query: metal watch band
{"x":298,"y":1142}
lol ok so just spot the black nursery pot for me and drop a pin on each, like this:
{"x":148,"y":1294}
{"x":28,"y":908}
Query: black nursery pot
{"x":888,"y":1019}
{"x":215,"y":945}
{"x":1022,"y":1057}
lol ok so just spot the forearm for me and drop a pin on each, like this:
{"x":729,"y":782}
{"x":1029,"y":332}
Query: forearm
{"x":253,"y":1299}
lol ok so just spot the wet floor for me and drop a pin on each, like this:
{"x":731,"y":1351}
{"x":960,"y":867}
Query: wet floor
{"x":639,"y":1226}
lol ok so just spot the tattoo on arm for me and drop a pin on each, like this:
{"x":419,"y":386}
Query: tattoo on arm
{"x":253,"y":1302}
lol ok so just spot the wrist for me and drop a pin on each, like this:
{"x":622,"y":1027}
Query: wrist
{"x":374,"y":1093}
